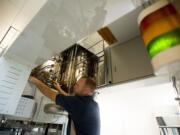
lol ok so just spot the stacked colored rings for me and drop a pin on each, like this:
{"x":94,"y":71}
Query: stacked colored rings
{"x":160,"y":27}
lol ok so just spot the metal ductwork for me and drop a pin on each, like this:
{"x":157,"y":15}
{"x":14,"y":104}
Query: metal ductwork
{"x":68,"y":67}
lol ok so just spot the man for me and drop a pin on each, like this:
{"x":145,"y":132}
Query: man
{"x":82,"y":109}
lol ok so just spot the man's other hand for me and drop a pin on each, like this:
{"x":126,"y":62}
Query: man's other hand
{"x":57,"y":85}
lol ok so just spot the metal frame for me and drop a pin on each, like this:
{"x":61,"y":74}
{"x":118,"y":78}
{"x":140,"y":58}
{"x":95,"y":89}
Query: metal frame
{"x":104,"y":60}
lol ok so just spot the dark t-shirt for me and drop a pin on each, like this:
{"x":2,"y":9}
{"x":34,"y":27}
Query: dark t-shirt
{"x":84,"y":112}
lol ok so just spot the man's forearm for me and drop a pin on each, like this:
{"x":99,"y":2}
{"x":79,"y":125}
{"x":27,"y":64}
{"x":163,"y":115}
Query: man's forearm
{"x":46,"y":90}
{"x":63,"y":92}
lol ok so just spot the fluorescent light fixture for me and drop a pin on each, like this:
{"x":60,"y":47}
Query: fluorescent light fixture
{"x":8,"y":39}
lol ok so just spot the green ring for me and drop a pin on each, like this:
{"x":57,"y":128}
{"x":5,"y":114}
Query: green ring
{"x":164,"y":42}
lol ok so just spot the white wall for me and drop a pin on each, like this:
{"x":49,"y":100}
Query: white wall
{"x":129,"y":109}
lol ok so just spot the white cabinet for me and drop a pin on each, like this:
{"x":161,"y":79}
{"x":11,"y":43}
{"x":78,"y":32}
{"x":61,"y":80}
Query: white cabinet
{"x":129,"y":61}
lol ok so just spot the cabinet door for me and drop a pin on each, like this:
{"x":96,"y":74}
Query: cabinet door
{"x":130,"y":61}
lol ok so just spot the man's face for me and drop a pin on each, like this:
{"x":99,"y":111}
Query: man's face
{"x":80,"y":87}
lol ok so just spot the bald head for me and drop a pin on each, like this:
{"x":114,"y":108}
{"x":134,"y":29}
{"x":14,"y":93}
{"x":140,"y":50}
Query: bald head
{"x":85,"y":86}
{"x":90,"y":82}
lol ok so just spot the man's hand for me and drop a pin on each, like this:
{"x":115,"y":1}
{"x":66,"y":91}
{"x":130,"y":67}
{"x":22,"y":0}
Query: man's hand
{"x":60,"y":90}
{"x":57,"y":86}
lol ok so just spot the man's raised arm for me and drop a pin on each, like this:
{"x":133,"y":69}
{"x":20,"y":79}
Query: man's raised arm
{"x":43,"y":88}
